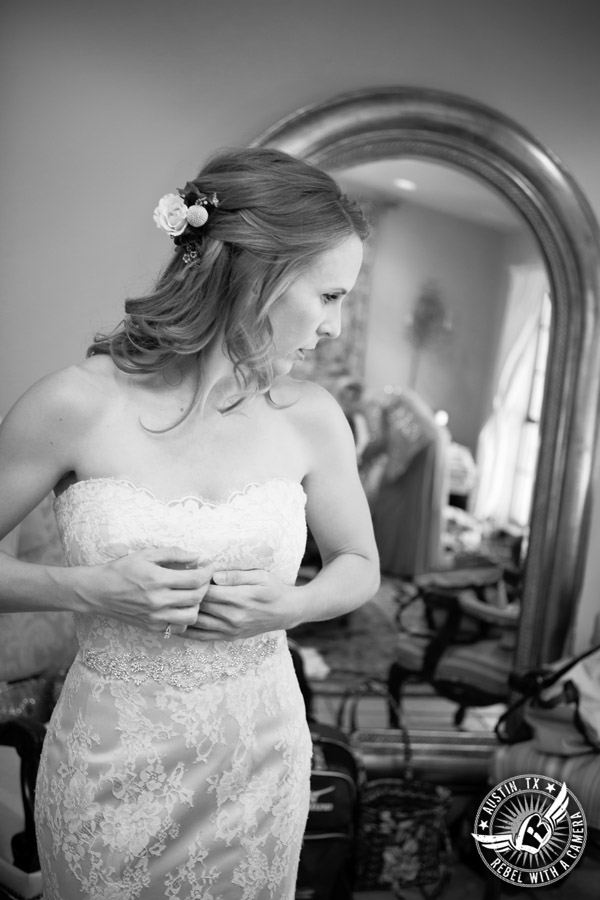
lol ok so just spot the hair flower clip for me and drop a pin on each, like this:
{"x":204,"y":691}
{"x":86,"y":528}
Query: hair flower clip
{"x":171,"y":214}
{"x":183,"y":214}
{"x":197,"y":215}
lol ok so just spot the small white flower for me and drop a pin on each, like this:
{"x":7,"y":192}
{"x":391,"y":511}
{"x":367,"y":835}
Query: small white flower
{"x":171,"y":214}
{"x":197,"y":215}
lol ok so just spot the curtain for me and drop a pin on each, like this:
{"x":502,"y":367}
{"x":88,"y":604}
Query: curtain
{"x":508,"y":442}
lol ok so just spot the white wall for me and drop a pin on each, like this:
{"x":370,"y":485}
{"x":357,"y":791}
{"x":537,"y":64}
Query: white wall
{"x":468,"y":264}
{"x":108,"y":105}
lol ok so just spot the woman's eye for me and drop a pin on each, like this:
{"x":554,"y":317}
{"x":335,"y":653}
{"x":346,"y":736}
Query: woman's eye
{"x":331,"y":298}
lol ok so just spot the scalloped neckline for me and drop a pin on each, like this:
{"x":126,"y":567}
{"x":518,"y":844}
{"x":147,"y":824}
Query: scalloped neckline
{"x":177,"y":501}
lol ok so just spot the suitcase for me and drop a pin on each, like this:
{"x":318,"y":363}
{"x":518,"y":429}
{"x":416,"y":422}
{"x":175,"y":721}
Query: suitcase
{"x":460,"y":760}
{"x":403,"y":837}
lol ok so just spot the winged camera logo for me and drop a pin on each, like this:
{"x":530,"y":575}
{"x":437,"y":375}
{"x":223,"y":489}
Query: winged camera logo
{"x":530,"y":830}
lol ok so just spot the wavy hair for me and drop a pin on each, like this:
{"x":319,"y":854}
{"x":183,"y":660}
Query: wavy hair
{"x":276,"y":215}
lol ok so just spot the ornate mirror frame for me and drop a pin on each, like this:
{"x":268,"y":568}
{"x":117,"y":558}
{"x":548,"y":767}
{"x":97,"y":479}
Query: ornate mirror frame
{"x":382,"y":123}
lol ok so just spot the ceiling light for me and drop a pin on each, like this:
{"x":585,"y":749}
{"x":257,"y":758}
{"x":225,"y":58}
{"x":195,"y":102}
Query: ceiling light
{"x":405,"y":184}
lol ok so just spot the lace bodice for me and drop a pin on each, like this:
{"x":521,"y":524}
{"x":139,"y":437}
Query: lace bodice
{"x":262,"y":526}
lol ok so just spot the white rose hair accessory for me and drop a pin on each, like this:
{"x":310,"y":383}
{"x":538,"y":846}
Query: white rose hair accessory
{"x":183,"y":215}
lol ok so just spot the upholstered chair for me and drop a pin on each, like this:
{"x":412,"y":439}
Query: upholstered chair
{"x":457,"y":633}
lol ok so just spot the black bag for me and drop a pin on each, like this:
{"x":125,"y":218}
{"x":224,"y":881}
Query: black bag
{"x":561,"y":721}
{"x":402,"y":836}
{"x":26,"y":735}
{"x":326,"y":869}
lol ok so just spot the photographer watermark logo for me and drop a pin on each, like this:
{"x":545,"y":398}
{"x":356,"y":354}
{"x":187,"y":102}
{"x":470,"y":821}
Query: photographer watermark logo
{"x":530,"y":830}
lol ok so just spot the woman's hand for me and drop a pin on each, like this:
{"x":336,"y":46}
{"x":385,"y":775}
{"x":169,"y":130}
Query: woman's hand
{"x":147,"y":588}
{"x":242,"y":603}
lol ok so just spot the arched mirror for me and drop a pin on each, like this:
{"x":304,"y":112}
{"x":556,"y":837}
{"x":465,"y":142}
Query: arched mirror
{"x":453,"y":304}
{"x":484,"y":239}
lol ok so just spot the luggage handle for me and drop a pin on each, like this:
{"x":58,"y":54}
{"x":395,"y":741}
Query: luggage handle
{"x":348,"y":713}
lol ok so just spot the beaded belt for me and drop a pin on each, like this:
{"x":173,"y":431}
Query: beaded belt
{"x":185,"y":670}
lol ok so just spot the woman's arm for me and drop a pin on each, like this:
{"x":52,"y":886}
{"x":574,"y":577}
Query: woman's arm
{"x":39,"y":442}
{"x":338,"y":516}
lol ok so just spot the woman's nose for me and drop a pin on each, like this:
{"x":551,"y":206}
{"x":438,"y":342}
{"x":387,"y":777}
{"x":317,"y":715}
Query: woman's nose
{"x":331,"y":327}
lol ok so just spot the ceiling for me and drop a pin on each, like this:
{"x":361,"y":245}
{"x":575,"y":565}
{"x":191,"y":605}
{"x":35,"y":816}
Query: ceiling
{"x":440,"y":187}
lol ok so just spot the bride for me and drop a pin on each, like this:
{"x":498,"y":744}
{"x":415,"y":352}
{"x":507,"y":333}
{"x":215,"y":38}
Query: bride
{"x":186,"y":463}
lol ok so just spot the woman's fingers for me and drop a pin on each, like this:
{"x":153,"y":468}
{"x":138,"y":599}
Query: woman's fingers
{"x":188,"y":579}
{"x":160,"y":587}
{"x":180,"y":606}
{"x":154,"y":588}
{"x":238,"y":576}
{"x":180,"y":616}
{"x":183,"y":570}
{"x":171,"y":557}
{"x":178,"y":619}
{"x":210,"y":628}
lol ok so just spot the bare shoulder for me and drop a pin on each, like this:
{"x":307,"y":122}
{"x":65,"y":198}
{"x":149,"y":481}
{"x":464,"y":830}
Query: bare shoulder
{"x":317,"y":417}
{"x":42,"y":436}
{"x":67,"y":397}
{"x":308,"y":402}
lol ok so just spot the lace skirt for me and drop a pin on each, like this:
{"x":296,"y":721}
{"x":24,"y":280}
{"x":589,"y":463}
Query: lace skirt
{"x":148,"y":791}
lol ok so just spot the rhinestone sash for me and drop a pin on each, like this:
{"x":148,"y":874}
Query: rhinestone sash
{"x":185,"y":670}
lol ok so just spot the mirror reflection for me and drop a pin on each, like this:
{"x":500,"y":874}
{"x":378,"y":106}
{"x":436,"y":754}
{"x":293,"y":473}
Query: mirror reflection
{"x":440,"y":370}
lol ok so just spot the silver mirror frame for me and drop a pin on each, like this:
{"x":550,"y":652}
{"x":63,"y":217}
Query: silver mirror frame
{"x":376,"y":124}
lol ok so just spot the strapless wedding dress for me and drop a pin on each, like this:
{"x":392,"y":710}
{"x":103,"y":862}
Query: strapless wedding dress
{"x":173,"y":768}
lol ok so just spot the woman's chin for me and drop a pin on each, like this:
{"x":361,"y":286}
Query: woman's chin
{"x":282,"y":366}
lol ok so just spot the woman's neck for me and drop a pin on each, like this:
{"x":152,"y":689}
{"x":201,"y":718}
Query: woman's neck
{"x":217,"y":381}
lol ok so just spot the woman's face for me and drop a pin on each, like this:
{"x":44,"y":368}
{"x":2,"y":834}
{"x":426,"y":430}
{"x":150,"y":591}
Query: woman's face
{"x":311,"y":307}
